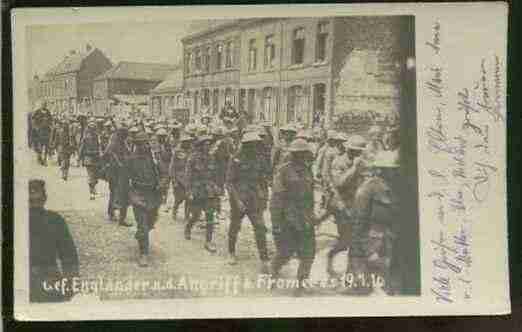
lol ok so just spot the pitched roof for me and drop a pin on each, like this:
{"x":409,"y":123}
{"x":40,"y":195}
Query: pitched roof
{"x":137,"y":71}
{"x":172,"y":83}
{"x":71,"y":63}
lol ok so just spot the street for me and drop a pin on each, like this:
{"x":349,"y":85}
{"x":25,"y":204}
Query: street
{"x":109,"y":251}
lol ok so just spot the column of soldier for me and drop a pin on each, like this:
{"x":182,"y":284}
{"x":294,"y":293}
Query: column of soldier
{"x":140,"y":160}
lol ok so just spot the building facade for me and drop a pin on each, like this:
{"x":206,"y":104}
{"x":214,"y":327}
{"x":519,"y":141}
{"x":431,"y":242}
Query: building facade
{"x":127,"y":84}
{"x":69,"y":85}
{"x":285,"y":70}
{"x":168,"y":98}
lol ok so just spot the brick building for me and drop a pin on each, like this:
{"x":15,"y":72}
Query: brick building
{"x":308,"y":70}
{"x":127,"y":83}
{"x":70,"y":83}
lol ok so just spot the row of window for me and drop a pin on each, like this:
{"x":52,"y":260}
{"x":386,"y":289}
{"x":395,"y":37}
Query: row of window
{"x":56,"y":88}
{"x":199,"y":60}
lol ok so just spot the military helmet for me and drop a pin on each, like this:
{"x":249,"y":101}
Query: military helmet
{"x":217,"y":131}
{"x":204,"y":138}
{"x":162,"y":132}
{"x":299,"y":145}
{"x":356,"y":142}
{"x":250,"y":136}
{"x":341,"y":137}
{"x":186,"y":138}
{"x":134,"y":130}
{"x":108,"y":123}
{"x":375,"y":129}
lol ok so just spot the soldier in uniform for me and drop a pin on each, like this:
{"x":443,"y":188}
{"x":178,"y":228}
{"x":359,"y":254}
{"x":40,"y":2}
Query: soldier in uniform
{"x":133,"y":131}
{"x":106,"y":134}
{"x":144,"y":193}
{"x":163,"y":155}
{"x":64,"y":145}
{"x":49,"y":241}
{"x":292,"y":211}
{"x":115,"y":156}
{"x":89,"y":154}
{"x":41,"y":122}
{"x":280,"y":153}
{"x":324,"y":164}
{"x":203,"y":190}
{"x":245,"y":185}
{"x":221,"y":152}
{"x":178,"y":175}
{"x":346,"y":175}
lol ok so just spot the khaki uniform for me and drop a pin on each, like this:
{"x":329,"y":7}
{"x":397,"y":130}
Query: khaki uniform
{"x":246,"y":183}
{"x":90,"y":153}
{"x":292,"y":210}
{"x":144,"y":195}
{"x":177,"y":171}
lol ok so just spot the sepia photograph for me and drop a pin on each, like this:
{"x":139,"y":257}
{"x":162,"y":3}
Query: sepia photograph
{"x":231,"y":165}
{"x":260,"y":157}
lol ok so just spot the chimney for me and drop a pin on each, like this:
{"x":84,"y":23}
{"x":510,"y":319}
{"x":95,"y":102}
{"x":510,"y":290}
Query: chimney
{"x":72,"y":52}
{"x":88,"y":47}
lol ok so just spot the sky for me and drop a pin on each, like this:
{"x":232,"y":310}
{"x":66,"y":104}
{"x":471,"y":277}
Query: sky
{"x":120,"y":41}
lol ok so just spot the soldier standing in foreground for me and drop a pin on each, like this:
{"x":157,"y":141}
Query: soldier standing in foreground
{"x":292,"y":210}
{"x":89,"y":154}
{"x":49,"y":240}
{"x":245,"y":179}
{"x":144,"y":193}
{"x":202,"y":190}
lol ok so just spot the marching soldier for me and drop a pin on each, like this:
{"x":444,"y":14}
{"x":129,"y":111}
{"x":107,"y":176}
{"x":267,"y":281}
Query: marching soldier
{"x":133,"y":131}
{"x":221,"y":151}
{"x":345,"y":179}
{"x":163,"y":155}
{"x":41,"y":122}
{"x":178,"y":175}
{"x":202,"y":190}
{"x":64,"y":142}
{"x":106,"y":134}
{"x":280,"y":153}
{"x":144,"y":193}
{"x":292,"y":210}
{"x":115,"y":156}
{"x":245,"y":184}
{"x":89,"y":154}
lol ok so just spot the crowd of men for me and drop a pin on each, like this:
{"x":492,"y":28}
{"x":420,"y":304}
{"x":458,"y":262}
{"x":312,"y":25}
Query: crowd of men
{"x":252,"y":167}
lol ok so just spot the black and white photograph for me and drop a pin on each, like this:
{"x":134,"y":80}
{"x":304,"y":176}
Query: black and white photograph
{"x":274,"y":159}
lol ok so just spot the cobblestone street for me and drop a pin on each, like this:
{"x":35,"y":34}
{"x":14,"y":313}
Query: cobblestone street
{"x":109,"y":251}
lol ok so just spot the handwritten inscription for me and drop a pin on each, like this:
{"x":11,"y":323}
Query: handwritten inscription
{"x":459,"y":139}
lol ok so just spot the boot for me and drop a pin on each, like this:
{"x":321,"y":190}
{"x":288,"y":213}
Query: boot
{"x":210,"y":246}
{"x":187,"y":232}
{"x":232,"y":259}
{"x":143,"y":261}
{"x":124,"y":223}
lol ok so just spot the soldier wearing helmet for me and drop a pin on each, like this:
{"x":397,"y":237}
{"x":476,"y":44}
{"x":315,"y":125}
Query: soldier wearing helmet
{"x":245,"y":179}
{"x":203,"y":190}
{"x":346,"y":176}
{"x":220,"y":152}
{"x":292,"y":211}
{"x":178,"y":175}
{"x":279,"y":154}
{"x":89,"y":153}
{"x":144,"y":193}
{"x":163,"y":155}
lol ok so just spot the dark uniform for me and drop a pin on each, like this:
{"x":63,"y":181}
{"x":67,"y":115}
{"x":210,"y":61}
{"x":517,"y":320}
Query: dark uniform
{"x":178,"y":175}
{"x":41,"y":133}
{"x":292,"y":211}
{"x":203,"y":188}
{"x":115,"y":157}
{"x":49,"y":240}
{"x":89,"y":153}
{"x":144,"y":193}
{"x":246,"y":185}
{"x":163,"y":154}
{"x":64,"y":145}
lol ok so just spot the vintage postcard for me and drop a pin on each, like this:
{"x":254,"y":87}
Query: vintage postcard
{"x":260,"y":161}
